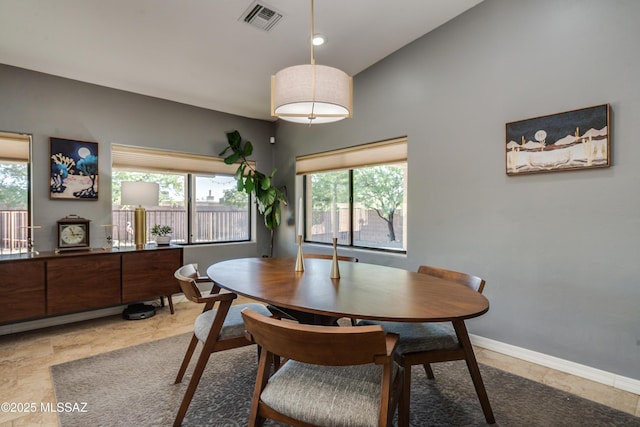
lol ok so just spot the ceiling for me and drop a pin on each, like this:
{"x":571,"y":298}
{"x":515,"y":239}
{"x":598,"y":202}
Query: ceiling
{"x":200,"y":52}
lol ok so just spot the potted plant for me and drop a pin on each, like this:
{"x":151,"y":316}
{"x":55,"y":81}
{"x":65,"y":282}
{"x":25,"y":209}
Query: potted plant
{"x":162,"y":233}
{"x":267,"y":197}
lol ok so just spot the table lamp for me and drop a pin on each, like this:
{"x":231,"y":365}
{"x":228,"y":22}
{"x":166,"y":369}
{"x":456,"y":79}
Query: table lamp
{"x":140,"y":193}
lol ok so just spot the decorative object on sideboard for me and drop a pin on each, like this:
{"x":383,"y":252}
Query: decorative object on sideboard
{"x":30,"y":240}
{"x":140,"y":194}
{"x":73,"y":234}
{"x":74,"y":169}
{"x":110,"y":237}
{"x":577,"y":139}
{"x":162,"y":234}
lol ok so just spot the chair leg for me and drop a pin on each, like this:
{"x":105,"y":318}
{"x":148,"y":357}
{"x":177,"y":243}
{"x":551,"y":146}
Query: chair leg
{"x":474,"y":371}
{"x":207,"y":349}
{"x":404,"y":402}
{"x":193,"y":385}
{"x":428,"y":371}
{"x":262,"y":377}
{"x":187,"y":358}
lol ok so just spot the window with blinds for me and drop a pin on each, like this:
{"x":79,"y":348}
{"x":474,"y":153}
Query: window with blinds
{"x":357,"y":195}
{"x":15,"y":231}
{"x":198,"y":196}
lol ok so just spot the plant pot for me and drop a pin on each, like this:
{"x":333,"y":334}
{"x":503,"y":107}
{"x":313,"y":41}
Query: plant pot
{"x":163,"y":240}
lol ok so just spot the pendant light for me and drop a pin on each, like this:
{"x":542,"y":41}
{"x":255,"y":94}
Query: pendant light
{"x":311,"y":93}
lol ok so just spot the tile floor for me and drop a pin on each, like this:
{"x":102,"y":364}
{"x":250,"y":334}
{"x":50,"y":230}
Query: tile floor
{"x":25,"y":359}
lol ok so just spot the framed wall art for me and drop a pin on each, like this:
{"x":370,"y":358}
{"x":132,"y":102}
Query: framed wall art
{"x":577,"y":139}
{"x":74,"y":169}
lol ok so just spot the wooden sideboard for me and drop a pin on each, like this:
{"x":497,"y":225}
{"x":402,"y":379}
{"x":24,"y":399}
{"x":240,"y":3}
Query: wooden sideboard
{"x":52,"y":284}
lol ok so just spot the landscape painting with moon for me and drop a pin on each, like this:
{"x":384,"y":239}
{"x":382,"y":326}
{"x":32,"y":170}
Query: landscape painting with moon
{"x":577,"y":139}
{"x":74,"y":170}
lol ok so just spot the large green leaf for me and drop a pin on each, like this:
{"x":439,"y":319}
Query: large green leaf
{"x":276,"y":215}
{"x":248,"y":185}
{"x":266,"y":183}
{"x":267,"y":197}
{"x":234,"y":139}
{"x":232,"y":158}
{"x":239,"y":172}
{"x":248,"y":149}
{"x":272,"y":219}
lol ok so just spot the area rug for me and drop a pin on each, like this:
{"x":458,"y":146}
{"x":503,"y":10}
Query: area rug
{"x":134,"y":387}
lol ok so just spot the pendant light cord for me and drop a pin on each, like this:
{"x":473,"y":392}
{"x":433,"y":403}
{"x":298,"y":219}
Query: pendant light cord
{"x":313,"y":71}
{"x":313,"y":60}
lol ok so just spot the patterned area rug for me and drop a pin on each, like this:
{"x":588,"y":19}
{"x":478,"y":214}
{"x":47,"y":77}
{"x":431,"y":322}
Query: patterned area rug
{"x":134,"y":387}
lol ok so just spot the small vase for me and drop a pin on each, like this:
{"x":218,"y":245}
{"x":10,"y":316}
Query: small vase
{"x":163,"y":240}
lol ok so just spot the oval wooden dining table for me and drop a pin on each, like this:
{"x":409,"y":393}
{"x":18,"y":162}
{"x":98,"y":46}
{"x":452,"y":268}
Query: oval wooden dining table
{"x":363,"y":291}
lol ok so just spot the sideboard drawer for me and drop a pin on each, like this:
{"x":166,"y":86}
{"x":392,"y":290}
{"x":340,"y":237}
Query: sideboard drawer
{"x":82,"y":283}
{"x":22,"y":290}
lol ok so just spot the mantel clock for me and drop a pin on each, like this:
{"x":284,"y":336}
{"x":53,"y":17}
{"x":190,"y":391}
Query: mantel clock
{"x":73,"y":234}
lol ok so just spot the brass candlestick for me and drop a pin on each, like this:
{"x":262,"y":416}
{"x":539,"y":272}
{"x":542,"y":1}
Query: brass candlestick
{"x":335,"y":269}
{"x":300,"y":258}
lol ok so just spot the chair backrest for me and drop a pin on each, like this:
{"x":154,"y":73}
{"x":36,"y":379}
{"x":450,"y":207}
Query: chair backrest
{"x":474,"y":282}
{"x":319,"y":345}
{"x":327,"y":256}
{"x":187,"y":275}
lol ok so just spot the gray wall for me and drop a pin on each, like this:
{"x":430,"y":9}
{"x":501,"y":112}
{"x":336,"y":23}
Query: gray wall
{"x":45,"y":106}
{"x":558,"y":250}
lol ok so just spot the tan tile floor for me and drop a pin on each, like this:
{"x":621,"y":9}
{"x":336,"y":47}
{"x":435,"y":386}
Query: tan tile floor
{"x":25,"y":359}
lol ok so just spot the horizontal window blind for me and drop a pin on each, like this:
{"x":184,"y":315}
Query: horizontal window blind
{"x":14,"y":147}
{"x":376,"y":153}
{"x":130,"y":158}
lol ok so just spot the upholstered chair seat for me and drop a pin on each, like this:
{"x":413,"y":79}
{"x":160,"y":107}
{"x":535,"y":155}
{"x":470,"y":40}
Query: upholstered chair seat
{"x":233,"y":325}
{"x":418,"y":337}
{"x":326,"y":395}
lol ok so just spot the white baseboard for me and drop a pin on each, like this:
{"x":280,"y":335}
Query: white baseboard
{"x":59,"y":320}
{"x":614,"y":380}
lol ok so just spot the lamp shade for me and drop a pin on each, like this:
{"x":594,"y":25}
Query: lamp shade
{"x":140,"y":193}
{"x":311,"y":94}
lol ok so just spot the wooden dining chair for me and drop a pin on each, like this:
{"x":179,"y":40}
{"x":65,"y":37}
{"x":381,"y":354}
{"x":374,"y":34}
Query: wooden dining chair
{"x":310,"y":318}
{"x":426,"y":343}
{"x":217,"y":329}
{"x":332,"y":376}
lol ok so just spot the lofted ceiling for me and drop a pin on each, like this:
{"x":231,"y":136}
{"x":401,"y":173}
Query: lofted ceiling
{"x":200,"y":52}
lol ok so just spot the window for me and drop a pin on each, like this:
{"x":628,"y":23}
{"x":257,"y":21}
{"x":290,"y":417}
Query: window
{"x":357,"y":195}
{"x":15,"y":230}
{"x":221,"y":212}
{"x":198,"y":197}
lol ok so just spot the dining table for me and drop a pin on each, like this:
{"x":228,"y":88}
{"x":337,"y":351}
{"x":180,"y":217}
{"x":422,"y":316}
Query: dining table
{"x":362,"y":291}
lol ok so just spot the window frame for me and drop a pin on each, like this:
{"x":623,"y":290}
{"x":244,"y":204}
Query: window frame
{"x":10,"y":152}
{"x":192,"y":206}
{"x":381,"y":153}
{"x":150,"y":160}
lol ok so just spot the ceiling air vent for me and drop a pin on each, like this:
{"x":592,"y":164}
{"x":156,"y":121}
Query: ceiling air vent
{"x":261,"y":16}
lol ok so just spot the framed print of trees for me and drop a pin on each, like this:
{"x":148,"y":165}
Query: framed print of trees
{"x":74,"y":170}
